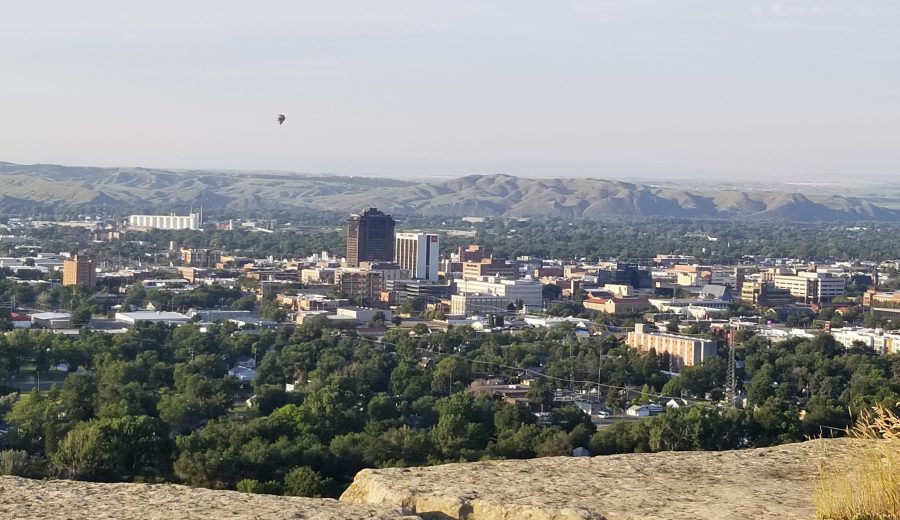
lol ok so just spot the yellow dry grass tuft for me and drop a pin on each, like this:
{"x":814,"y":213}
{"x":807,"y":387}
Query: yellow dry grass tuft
{"x":866,"y":486}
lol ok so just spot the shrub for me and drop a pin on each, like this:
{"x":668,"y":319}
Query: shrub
{"x":248,"y":485}
{"x":15,"y":462}
{"x":304,"y":481}
{"x":867,"y":487}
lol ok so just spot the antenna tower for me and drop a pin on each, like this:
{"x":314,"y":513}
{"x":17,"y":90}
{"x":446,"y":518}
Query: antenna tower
{"x":730,"y":378}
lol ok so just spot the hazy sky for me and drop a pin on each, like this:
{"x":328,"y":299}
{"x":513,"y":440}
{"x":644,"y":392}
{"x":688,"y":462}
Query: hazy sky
{"x":552,"y":87}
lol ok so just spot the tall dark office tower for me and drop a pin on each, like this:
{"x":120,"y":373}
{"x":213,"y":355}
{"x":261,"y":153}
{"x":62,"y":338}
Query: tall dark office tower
{"x":370,"y":237}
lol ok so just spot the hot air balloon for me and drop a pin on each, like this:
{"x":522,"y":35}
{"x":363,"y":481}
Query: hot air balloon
{"x":281,"y":119}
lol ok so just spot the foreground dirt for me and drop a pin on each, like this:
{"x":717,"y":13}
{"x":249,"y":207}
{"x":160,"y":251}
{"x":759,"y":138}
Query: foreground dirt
{"x":67,"y":500}
{"x":769,"y":483}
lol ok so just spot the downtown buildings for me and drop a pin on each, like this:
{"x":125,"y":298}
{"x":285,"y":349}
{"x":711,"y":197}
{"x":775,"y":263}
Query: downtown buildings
{"x":370,"y":237}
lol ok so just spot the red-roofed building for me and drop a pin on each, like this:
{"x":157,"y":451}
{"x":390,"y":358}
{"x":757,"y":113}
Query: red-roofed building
{"x":617,"y":305}
{"x":20,"y":321}
{"x":595,"y":304}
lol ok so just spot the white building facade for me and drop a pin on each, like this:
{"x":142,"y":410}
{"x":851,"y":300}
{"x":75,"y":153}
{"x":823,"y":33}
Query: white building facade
{"x":528,"y":292}
{"x":881,"y":341}
{"x":190,"y":221}
{"x":418,"y":252}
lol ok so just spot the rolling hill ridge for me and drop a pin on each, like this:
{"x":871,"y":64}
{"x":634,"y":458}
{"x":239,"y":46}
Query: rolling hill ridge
{"x":143,"y":189}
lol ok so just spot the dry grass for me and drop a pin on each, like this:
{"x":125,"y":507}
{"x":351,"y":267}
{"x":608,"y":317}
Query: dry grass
{"x":867,"y":485}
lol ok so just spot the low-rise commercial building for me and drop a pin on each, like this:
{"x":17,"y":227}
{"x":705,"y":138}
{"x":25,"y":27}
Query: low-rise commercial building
{"x":625,"y":274}
{"x":52,"y":320}
{"x":490,"y":267}
{"x":191,"y":274}
{"x":213,"y":315}
{"x":317,"y":276}
{"x":478,"y":304}
{"x":354,"y":282}
{"x":617,"y":305}
{"x":190,"y":221}
{"x":20,"y":321}
{"x":363,"y":314}
{"x":528,"y":293}
{"x":678,"y":305}
{"x":166,"y":318}
{"x":808,"y":286}
{"x":317,"y":302}
{"x":881,"y":341}
{"x":685,"y":351}
{"x":421,"y":289}
{"x":765,"y":294}
{"x":873,"y":298}
{"x":200,"y":257}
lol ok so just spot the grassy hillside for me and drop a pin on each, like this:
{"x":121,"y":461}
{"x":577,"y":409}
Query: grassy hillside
{"x":134,"y":189}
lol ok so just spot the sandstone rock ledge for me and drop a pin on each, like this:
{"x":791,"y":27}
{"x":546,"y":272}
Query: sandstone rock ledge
{"x":767,"y":483}
{"x":62,"y":499}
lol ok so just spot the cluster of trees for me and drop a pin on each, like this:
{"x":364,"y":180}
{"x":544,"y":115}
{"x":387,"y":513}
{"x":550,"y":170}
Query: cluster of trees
{"x":289,"y":243}
{"x":157,"y":404}
{"x":795,"y":389}
{"x":547,"y":238}
{"x":117,"y":418}
{"x":281,"y":243}
{"x":560,"y":238}
{"x":205,"y":297}
{"x":75,"y":299}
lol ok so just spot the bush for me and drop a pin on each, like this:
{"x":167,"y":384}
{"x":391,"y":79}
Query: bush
{"x":113,"y":449}
{"x":867,"y":487}
{"x":15,"y":462}
{"x":304,"y":481}
{"x":7,"y":400}
{"x":265,"y":488}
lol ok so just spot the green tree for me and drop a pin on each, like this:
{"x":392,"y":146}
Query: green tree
{"x":196,"y":399}
{"x":540,"y":393}
{"x":451,"y":374}
{"x":114,"y":449}
{"x":304,"y":481}
{"x":554,"y":442}
{"x":78,"y":396}
{"x":273,"y":311}
{"x":17,"y":463}
{"x":36,"y":426}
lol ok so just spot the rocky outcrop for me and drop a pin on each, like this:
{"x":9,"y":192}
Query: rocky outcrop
{"x":768,"y":483}
{"x":26,"y":499}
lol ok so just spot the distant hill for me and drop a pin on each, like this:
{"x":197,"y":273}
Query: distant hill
{"x":143,"y":189}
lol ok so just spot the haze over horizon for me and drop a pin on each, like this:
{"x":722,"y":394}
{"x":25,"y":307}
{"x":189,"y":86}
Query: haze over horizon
{"x":794,"y":90}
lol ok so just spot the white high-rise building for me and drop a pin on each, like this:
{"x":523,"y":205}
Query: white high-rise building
{"x":418,"y":252}
{"x":190,"y":221}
